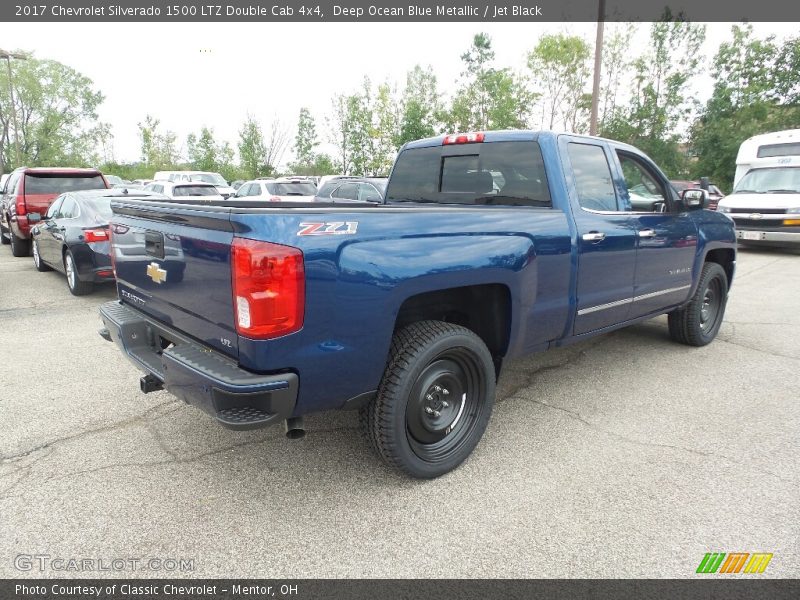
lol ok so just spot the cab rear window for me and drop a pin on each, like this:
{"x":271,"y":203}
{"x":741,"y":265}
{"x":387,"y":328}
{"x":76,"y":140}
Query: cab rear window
{"x":36,"y":183}
{"x":498,"y":173}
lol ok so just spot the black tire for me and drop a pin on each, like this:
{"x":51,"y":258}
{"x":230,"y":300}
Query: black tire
{"x":19,"y":246}
{"x":3,"y":233}
{"x":698,"y":322}
{"x":434,"y":401}
{"x":37,"y":260}
{"x":75,"y":285}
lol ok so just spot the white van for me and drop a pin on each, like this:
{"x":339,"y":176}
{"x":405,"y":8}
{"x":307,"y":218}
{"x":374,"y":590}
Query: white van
{"x":214,"y":179}
{"x":765,"y":202}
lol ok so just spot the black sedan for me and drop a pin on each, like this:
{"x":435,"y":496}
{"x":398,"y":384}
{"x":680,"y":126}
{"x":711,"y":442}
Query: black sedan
{"x":73,"y":237}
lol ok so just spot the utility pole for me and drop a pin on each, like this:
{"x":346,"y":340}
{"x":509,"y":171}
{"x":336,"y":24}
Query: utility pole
{"x":598,"y":62}
{"x":8,"y":56}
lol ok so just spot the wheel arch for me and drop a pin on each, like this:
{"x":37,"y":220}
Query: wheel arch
{"x":484,"y":309}
{"x":726,"y":258}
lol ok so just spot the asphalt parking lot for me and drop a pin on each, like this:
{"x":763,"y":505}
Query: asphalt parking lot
{"x":624,"y":456}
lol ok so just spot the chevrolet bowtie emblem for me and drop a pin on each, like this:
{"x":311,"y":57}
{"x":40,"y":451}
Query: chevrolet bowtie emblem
{"x":156,"y":273}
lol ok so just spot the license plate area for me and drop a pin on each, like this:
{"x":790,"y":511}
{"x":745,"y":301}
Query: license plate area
{"x":751,"y":235}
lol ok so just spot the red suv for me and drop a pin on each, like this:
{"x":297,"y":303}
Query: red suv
{"x":32,"y":190}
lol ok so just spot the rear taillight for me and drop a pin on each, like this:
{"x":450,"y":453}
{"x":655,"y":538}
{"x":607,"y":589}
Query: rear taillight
{"x":268,"y":288}
{"x":96,"y":235}
{"x":21,"y":205}
{"x":463,"y":138}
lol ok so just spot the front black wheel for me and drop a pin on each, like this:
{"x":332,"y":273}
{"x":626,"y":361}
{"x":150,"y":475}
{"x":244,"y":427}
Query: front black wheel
{"x":699,"y":321}
{"x":434,"y":401}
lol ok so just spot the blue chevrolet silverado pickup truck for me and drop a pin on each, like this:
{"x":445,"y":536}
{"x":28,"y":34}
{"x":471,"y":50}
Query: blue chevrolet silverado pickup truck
{"x":488,"y":246}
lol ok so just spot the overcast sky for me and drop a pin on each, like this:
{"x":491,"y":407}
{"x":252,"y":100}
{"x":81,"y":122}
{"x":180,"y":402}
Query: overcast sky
{"x":213,"y":74}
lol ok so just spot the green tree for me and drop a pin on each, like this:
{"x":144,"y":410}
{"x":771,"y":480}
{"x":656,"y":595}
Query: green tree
{"x":56,"y":110}
{"x":365,"y":129}
{"x":320,"y":164}
{"x":616,"y":66}
{"x":385,"y":130}
{"x":339,"y":126}
{"x":252,"y":149}
{"x":559,"y":64}
{"x":276,"y":142}
{"x":306,"y":138}
{"x":159,"y":150}
{"x":360,"y":141}
{"x":754,"y":92}
{"x":420,"y":106}
{"x":203,"y":151}
{"x":488,"y":98}
{"x":659,"y":103}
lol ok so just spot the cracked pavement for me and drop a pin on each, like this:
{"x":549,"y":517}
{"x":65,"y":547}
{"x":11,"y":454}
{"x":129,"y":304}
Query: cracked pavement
{"x":623,"y":456}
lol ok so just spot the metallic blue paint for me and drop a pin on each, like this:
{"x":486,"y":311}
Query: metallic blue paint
{"x":357,"y":284}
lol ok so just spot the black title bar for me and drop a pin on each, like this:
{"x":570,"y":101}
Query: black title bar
{"x":315,"y":11}
{"x":705,"y":587}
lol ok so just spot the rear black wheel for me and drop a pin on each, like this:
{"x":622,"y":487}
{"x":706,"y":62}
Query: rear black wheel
{"x":3,"y":236}
{"x":19,"y":246}
{"x":434,"y":401}
{"x":698,"y":322}
{"x":76,"y":286}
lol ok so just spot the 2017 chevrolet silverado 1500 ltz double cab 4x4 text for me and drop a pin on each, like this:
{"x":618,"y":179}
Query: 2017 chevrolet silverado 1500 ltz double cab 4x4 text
{"x":488,"y":246}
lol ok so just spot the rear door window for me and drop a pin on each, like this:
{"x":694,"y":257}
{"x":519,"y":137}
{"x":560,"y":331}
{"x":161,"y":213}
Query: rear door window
{"x":368,"y":193}
{"x":325,"y":190}
{"x":69,"y":209}
{"x":645,"y":192}
{"x":54,"y":208}
{"x":346,"y":191}
{"x":41,"y":183}
{"x":592,"y":177}
{"x":498,"y":173}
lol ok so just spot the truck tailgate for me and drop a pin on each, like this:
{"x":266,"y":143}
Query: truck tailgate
{"x":175,"y":265}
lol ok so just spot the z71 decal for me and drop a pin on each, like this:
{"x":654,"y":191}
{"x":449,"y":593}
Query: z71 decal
{"x":335,"y":228}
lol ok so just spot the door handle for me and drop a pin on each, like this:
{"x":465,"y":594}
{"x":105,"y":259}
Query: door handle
{"x":594,"y":236}
{"x":646,"y":233}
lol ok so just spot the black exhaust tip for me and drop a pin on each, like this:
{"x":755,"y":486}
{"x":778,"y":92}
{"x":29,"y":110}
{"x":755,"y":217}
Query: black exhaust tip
{"x":150,"y":383}
{"x":294,"y":428}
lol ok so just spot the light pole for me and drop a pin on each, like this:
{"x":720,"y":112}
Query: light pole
{"x":598,"y":62}
{"x":18,"y":56}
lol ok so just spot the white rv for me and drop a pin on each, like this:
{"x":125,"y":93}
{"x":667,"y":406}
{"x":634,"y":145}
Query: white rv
{"x":765,"y":202}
